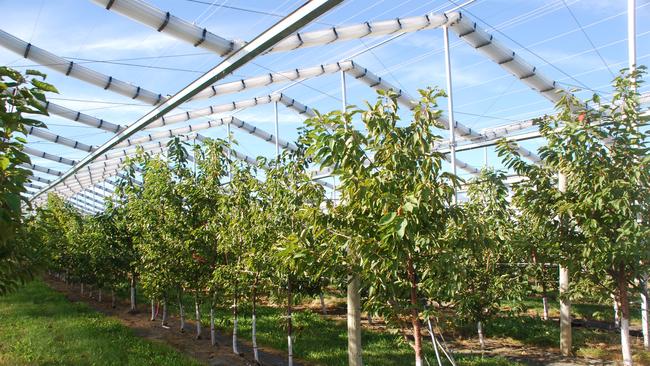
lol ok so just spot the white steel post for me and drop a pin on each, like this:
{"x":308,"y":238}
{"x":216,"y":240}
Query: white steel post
{"x":631,"y":49}
{"x":450,"y":107}
{"x":353,"y":295}
{"x":277,"y":130}
{"x":229,"y":153}
{"x":565,"y":303}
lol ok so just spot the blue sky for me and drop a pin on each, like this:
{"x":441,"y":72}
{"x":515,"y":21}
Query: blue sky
{"x":485,"y":95}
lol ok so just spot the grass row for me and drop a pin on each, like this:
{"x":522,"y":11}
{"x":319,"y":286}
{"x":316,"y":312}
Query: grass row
{"x":39,"y":326}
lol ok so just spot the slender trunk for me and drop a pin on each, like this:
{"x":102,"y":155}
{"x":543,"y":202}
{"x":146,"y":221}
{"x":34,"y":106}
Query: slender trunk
{"x":164,"y":314}
{"x":197,"y":313}
{"x":82,"y":289}
{"x":90,"y":292}
{"x":565,"y":313}
{"x":254,"y":325}
{"x":323,"y":307}
{"x":213,"y":335}
{"x":624,"y":307}
{"x":234,"y":325}
{"x":99,"y":295}
{"x":289,"y":323}
{"x":133,"y":304}
{"x":415,"y":315}
{"x":354,"y":321}
{"x":481,"y":339}
{"x":181,"y":310}
{"x":617,"y":319}
{"x":113,"y":298}
{"x":544,"y":299}
{"x":153,"y":310}
{"x":644,"y":312}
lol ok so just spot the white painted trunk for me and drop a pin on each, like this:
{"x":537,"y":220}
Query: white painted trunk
{"x":234,"y":337}
{"x":354,"y":322}
{"x":617,"y":320}
{"x":290,"y":349}
{"x":322,"y":304}
{"x":418,"y":361}
{"x":153,"y":310}
{"x":181,"y":311}
{"x":565,"y":314}
{"x":625,"y":341}
{"x":644,"y":313}
{"x":481,"y":339}
{"x":213,"y":335}
{"x":164,"y":315}
{"x":197,"y":313}
{"x":545,"y":304}
{"x":132,"y":297}
{"x":254,"y":339}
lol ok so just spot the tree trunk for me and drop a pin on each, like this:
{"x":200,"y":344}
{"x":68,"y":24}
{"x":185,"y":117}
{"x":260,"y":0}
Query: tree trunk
{"x":82,"y":289}
{"x":99,"y":295}
{"x":415,"y":315}
{"x":213,"y":335}
{"x":181,"y":310}
{"x":289,"y":323}
{"x":234,"y":326}
{"x":624,"y":306}
{"x":254,"y":326}
{"x":481,"y":339}
{"x":544,"y":299}
{"x":617,"y":318}
{"x":323,"y":307}
{"x":565,"y":313}
{"x":153,"y":310}
{"x":164,"y":316}
{"x":197,"y":313}
{"x":644,"y":312}
{"x":133,"y":303}
{"x":113,"y":298}
{"x":354,"y":321}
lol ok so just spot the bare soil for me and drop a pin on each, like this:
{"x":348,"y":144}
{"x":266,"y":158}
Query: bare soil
{"x":200,"y":349}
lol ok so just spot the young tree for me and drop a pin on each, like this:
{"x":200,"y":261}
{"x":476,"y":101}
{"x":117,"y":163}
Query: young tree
{"x":485,"y":270}
{"x":603,"y":152}
{"x":396,"y":201}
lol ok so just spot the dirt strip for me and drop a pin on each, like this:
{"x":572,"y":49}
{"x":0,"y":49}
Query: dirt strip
{"x":201,"y":349}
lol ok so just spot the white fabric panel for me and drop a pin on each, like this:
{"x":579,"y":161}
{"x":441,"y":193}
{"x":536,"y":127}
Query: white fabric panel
{"x":83,"y":118}
{"x":34,"y":178}
{"x":271,"y":78}
{"x":174,"y":132}
{"x":41,"y":154}
{"x":211,"y":110}
{"x":49,"y":136}
{"x":38,"y":168}
{"x":503,"y":130}
{"x":76,"y":71}
{"x":506,"y":58}
{"x":169,"y":24}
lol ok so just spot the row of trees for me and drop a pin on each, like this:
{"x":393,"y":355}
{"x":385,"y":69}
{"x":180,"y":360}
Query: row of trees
{"x":229,"y":233}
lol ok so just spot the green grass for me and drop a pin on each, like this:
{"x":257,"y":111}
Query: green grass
{"x":39,"y":326}
{"x":323,"y":341}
